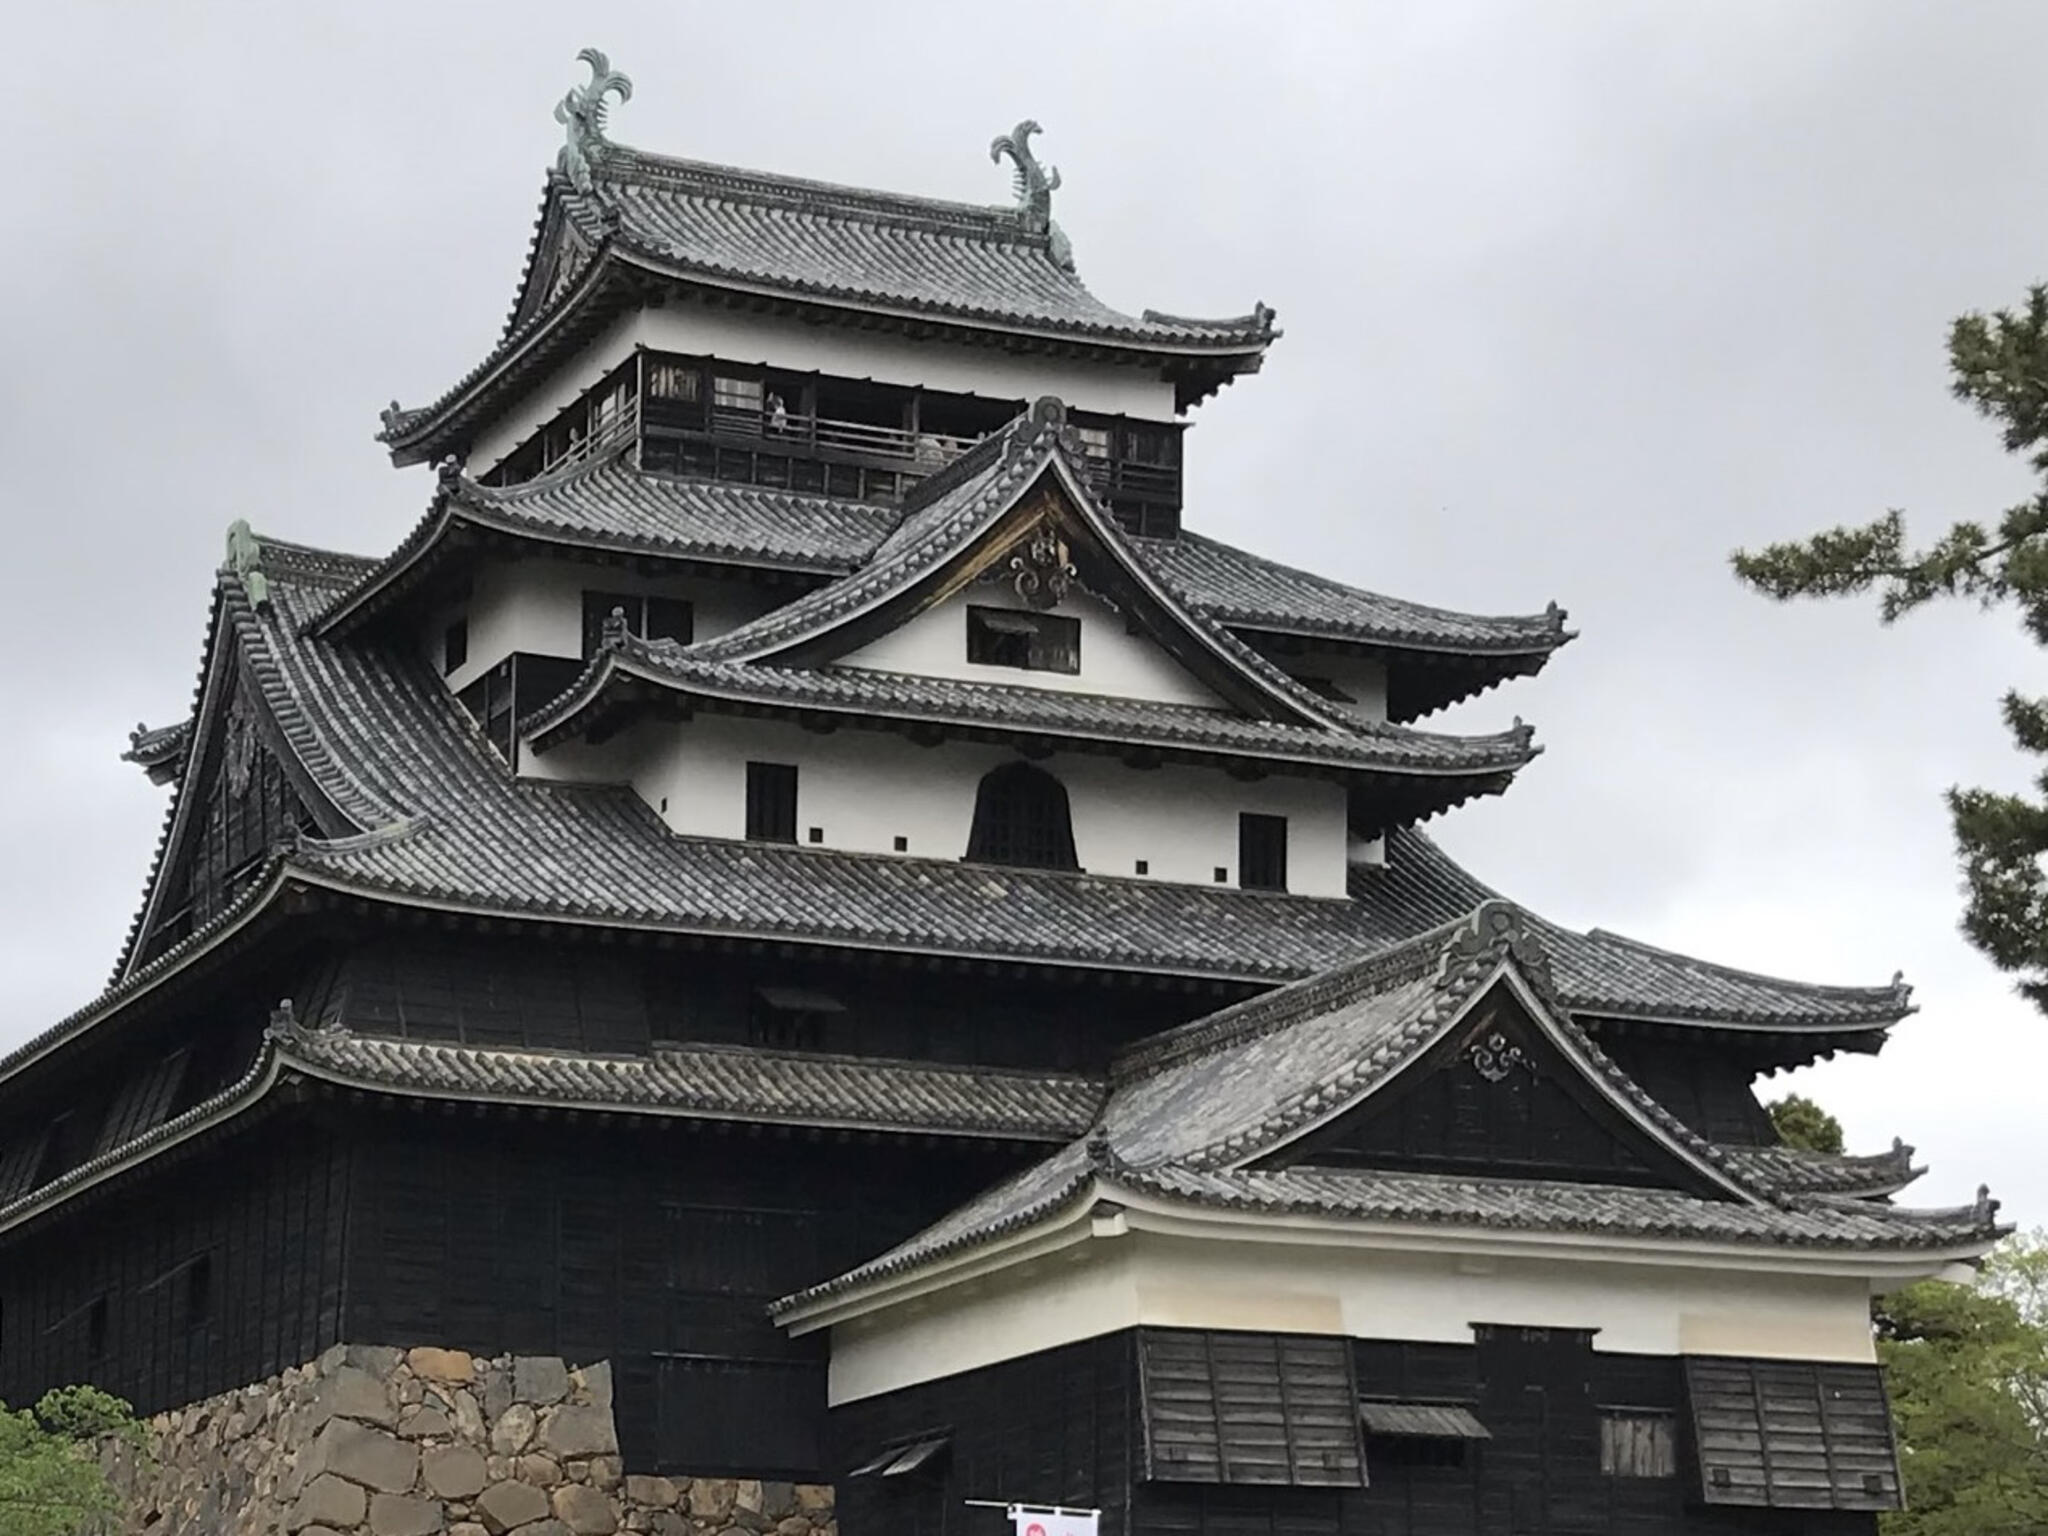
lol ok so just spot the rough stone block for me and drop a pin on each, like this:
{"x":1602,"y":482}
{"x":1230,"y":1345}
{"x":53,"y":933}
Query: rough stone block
{"x":399,"y":1514}
{"x":814,"y":1496}
{"x":469,"y":1416}
{"x":513,"y":1432}
{"x":506,"y":1506}
{"x":380,"y":1360}
{"x":497,"y":1391}
{"x":580,"y":1431}
{"x":711,"y":1498}
{"x":668,"y":1523}
{"x":585,"y":1510}
{"x":453,"y":1471}
{"x":541,"y":1379}
{"x":596,"y":1380}
{"x":350,"y":1392}
{"x":363,"y":1455}
{"x":453,"y":1365}
{"x":542,"y":1471}
{"x":792,"y":1525}
{"x":327,"y":1500}
{"x":606,"y":1471}
{"x":423,"y":1420}
{"x":777,"y":1499}
{"x":467,"y":1528}
{"x":548,"y":1527}
{"x":653,"y":1492}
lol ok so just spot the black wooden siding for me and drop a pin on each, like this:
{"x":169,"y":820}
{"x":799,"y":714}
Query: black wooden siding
{"x":615,"y":997}
{"x":110,"y":1297}
{"x":657,"y":1248}
{"x":1067,"y":1426}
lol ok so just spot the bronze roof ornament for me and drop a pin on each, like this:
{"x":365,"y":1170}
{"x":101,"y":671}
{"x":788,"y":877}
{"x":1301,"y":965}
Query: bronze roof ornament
{"x":582,"y":115}
{"x":245,"y":560}
{"x":1035,"y":184}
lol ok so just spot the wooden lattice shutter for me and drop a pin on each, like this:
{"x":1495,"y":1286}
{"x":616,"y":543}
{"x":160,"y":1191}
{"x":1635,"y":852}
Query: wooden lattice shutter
{"x":1257,"y":1408}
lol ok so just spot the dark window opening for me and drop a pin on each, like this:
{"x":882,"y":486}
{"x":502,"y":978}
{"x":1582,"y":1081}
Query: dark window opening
{"x":771,"y":802}
{"x":674,"y":381}
{"x":649,"y":618}
{"x":816,"y":834}
{"x":454,"y":646}
{"x":1638,"y":1442}
{"x":1032,"y":642}
{"x":1262,"y":852}
{"x":489,"y":701}
{"x":792,"y":1018}
{"x":1021,"y":817}
{"x":96,"y":1329}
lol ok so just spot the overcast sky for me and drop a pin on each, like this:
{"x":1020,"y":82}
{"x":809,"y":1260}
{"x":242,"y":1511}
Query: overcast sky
{"x":1576,"y":298}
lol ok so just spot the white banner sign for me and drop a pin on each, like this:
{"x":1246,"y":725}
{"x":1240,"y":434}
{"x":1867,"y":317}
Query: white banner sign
{"x":1031,"y":1520}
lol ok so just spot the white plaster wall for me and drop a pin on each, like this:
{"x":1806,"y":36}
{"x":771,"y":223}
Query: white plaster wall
{"x":536,"y":605}
{"x":781,"y":341}
{"x":1362,"y":679}
{"x":598,"y":357}
{"x":1114,"y":662}
{"x":1146,"y":1279}
{"x":863,"y":789}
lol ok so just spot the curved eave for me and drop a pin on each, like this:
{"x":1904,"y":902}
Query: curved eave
{"x":457,"y":526}
{"x":1423,"y":676}
{"x":623,"y":272}
{"x":610,"y":693}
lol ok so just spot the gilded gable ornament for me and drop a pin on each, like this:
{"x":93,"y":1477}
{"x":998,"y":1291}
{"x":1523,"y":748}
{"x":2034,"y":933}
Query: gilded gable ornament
{"x":582,"y":115}
{"x":1040,"y":570}
{"x":1494,"y":1057}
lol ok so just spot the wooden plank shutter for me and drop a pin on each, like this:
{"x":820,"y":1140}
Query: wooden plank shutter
{"x":1792,"y":1434}
{"x":1250,"y":1408}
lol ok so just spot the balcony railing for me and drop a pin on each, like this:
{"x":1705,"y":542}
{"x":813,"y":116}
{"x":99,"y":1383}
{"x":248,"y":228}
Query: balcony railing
{"x":794,"y":433}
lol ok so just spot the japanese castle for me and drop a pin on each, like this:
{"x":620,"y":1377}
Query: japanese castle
{"x":800,"y":878}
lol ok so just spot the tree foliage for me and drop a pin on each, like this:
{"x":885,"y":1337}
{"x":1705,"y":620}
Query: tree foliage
{"x":51,"y":1482}
{"x":1967,"y":1368}
{"x":1804,"y":1124}
{"x":1998,"y":363}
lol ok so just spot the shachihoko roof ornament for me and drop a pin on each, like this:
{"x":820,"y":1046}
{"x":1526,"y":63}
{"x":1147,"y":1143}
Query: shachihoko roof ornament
{"x":245,"y":559}
{"x":582,"y":115}
{"x":1035,"y":186}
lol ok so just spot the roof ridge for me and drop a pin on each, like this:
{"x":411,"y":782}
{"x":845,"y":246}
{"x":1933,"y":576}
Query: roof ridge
{"x":1488,"y":931}
{"x":622,"y":163}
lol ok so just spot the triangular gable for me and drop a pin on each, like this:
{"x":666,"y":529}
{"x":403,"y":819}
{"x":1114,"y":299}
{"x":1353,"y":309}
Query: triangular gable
{"x":244,"y":791}
{"x":567,"y":234}
{"x":1309,"y":1068}
{"x":1500,"y":1096}
{"x":1015,"y":511}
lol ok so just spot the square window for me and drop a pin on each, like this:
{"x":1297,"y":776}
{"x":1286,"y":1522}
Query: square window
{"x":771,"y":802}
{"x":1638,"y":1443}
{"x":1031,"y":642}
{"x":817,"y":834}
{"x":902,"y":844}
{"x":1144,"y":866}
{"x":454,"y":645}
{"x":1222,"y":875}
{"x":1262,"y":852}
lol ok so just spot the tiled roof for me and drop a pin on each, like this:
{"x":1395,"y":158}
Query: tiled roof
{"x":724,"y":1083}
{"x":610,"y":500}
{"x":875,"y":250}
{"x":879,"y":255}
{"x":1072,"y":1177}
{"x":1250,"y":591}
{"x":159,"y":750}
{"x":1793,"y":1170}
{"x":873,"y":695}
{"x":445,"y":825}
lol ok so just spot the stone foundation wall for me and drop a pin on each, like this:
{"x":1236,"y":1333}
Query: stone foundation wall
{"x":371,"y":1441}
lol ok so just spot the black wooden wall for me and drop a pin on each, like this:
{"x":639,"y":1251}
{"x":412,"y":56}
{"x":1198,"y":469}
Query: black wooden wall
{"x":1066,"y":1426}
{"x":655,"y":1248}
{"x":211,"y":1274}
{"x":615,"y":997}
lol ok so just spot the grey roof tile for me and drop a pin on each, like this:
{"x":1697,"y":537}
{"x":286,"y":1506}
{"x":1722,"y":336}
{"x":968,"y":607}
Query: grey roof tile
{"x":1250,"y":591}
{"x":874,"y":249}
{"x":719,"y":1082}
{"x":893,"y":696}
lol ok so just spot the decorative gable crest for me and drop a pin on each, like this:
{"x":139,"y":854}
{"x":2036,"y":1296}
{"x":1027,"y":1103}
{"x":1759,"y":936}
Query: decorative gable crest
{"x":582,"y":115}
{"x":1041,"y":569}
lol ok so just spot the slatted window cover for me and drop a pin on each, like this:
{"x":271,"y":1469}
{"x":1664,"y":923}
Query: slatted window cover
{"x":20,"y":1162}
{"x":1638,"y":1442}
{"x":1792,"y":1434}
{"x":1250,"y":1408}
